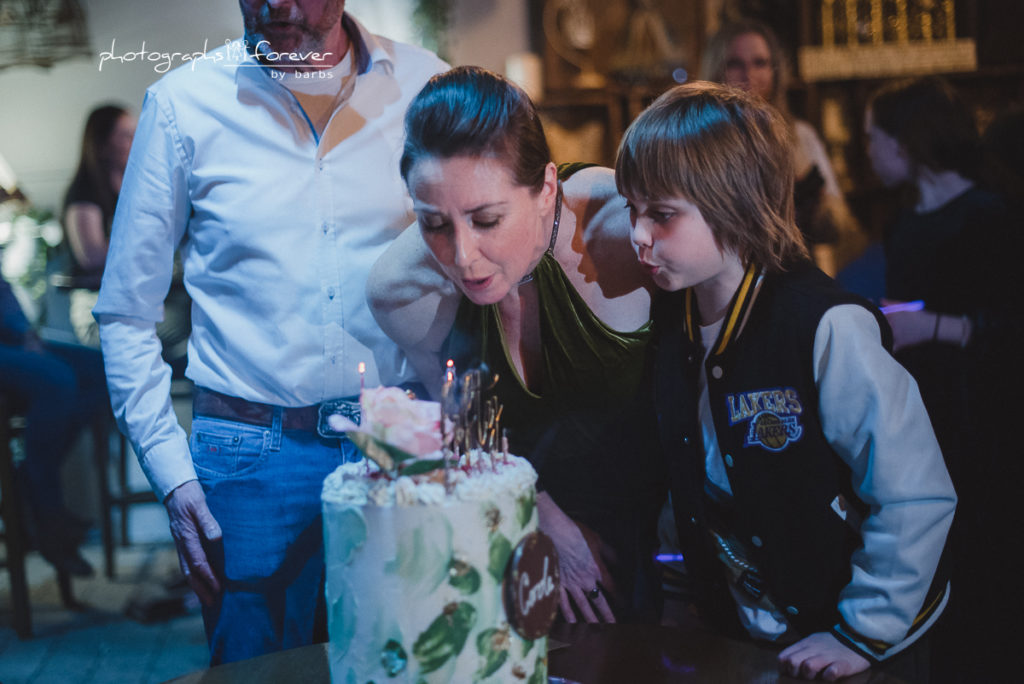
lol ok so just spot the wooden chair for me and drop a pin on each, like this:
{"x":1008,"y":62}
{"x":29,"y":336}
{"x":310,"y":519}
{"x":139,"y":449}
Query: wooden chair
{"x":14,"y":528}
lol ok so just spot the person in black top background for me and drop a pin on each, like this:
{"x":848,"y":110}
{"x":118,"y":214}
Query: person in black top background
{"x":953,"y":248}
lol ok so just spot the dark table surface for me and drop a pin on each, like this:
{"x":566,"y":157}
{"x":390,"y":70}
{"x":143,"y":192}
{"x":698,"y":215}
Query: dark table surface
{"x":587,"y":654}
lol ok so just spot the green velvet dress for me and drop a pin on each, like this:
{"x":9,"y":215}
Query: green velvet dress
{"x":583,"y":426}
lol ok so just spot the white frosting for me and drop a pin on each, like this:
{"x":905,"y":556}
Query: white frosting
{"x":483,"y":479}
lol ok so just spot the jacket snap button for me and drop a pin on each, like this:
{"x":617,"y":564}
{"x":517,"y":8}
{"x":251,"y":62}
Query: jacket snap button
{"x":792,"y":610}
{"x":716,"y":372}
{"x":756,"y":541}
{"x":728,"y":460}
{"x":686,"y":440}
{"x":693,"y":521}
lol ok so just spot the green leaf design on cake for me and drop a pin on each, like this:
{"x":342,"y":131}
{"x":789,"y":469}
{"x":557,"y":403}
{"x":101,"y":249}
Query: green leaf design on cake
{"x":343,"y":618}
{"x":423,"y":554}
{"x":501,"y":549}
{"x":387,"y":456}
{"x":527,"y":646}
{"x":445,"y":637}
{"x":524,"y":509}
{"x":423,"y":465}
{"x":349,"y":534}
{"x":493,"y":645}
{"x":540,"y":672}
{"x":463,"y":577}
{"x":393,"y":657}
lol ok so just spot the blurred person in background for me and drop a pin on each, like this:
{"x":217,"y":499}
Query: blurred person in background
{"x":60,"y":389}
{"x":89,"y":208}
{"x":956,"y":315}
{"x":746,"y":54}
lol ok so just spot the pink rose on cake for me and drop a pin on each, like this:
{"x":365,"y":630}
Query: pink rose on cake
{"x":390,"y":416}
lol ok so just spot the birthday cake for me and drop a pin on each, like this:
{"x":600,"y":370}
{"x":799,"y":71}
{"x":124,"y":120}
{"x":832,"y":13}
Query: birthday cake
{"x":418,"y":544}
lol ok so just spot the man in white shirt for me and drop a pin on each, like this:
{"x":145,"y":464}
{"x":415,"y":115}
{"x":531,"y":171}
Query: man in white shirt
{"x":272,"y":164}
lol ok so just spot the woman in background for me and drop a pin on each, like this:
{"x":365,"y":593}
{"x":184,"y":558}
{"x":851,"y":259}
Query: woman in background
{"x":89,"y":208}
{"x":952,"y":251}
{"x":747,"y":55}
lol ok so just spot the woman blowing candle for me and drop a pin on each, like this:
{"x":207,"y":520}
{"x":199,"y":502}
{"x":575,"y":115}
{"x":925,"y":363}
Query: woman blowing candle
{"x":528,"y":269}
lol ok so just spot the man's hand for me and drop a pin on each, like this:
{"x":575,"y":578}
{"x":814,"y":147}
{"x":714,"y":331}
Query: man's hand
{"x":193,"y":528}
{"x":821,"y":654}
{"x":580,"y":569}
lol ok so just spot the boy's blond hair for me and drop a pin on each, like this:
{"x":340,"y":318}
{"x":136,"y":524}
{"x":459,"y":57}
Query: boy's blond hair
{"x":727,"y":152}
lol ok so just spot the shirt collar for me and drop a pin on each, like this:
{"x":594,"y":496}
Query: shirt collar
{"x":369,"y":50}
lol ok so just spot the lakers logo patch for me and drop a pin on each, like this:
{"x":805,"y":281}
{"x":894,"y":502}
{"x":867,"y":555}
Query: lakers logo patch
{"x":772,"y":416}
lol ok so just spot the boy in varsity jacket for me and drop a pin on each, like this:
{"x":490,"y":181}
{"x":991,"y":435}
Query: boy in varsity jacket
{"x":810,"y":496}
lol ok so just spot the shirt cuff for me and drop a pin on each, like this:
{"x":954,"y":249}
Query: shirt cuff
{"x":167,"y":468}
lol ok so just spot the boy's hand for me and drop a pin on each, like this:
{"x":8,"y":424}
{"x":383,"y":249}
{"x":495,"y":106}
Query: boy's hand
{"x":821,"y":654}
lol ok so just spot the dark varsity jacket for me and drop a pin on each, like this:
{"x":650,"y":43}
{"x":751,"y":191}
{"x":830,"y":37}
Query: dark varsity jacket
{"x":791,"y":491}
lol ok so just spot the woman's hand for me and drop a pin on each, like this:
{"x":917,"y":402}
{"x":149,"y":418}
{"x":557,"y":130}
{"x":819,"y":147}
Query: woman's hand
{"x":909,"y":327}
{"x":821,"y":654}
{"x":579,"y":566}
{"x":912,"y":326}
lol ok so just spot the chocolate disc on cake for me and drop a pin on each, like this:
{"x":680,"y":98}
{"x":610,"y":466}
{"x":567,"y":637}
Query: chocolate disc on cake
{"x":531,"y":586}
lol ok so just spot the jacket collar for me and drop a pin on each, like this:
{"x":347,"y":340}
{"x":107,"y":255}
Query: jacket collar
{"x":736,"y":316}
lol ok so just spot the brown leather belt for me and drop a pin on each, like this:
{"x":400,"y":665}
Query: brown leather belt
{"x":206,"y":402}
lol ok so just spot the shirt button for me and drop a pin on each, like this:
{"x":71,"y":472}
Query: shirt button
{"x":716,"y":372}
{"x":756,"y":541}
{"x":693,"y":521}
{"x":686,"y":440}
{"x":330,"y":293}
{"x":326,"y":227}
{"x":728,"y":460}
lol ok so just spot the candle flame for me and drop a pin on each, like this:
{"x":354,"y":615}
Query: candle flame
{"x":362,"y":367}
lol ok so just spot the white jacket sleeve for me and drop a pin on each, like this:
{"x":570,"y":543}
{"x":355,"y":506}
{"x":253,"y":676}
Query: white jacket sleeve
{"x":873,"y":416}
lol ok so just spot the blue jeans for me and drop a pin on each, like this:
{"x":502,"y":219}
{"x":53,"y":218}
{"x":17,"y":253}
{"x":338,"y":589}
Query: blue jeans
{"x":263,"y":487}
{"x":60,"y":391}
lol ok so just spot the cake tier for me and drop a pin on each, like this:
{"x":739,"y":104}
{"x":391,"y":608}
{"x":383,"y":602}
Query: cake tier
{"x":414,"y":576}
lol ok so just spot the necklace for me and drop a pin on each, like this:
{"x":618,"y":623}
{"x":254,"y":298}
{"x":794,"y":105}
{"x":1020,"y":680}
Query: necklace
{"x":554,"y":232}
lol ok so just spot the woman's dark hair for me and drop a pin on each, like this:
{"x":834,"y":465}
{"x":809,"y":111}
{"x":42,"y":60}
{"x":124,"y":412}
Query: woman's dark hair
{"x":93,"y":170}
{"x":927,"y":117}
{"x":476,"y":112}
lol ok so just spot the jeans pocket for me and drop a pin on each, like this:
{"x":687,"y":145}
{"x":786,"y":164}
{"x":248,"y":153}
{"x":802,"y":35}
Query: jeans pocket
{"x":222,"y":448}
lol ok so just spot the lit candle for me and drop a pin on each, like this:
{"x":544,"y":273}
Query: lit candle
{"x":362,"y":375}
{"x":446,"y":397}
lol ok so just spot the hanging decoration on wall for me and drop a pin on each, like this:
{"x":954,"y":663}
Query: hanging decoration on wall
{"x":570,"y":27}
{"x":649,"y":52}
{"x":41,"y":32}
